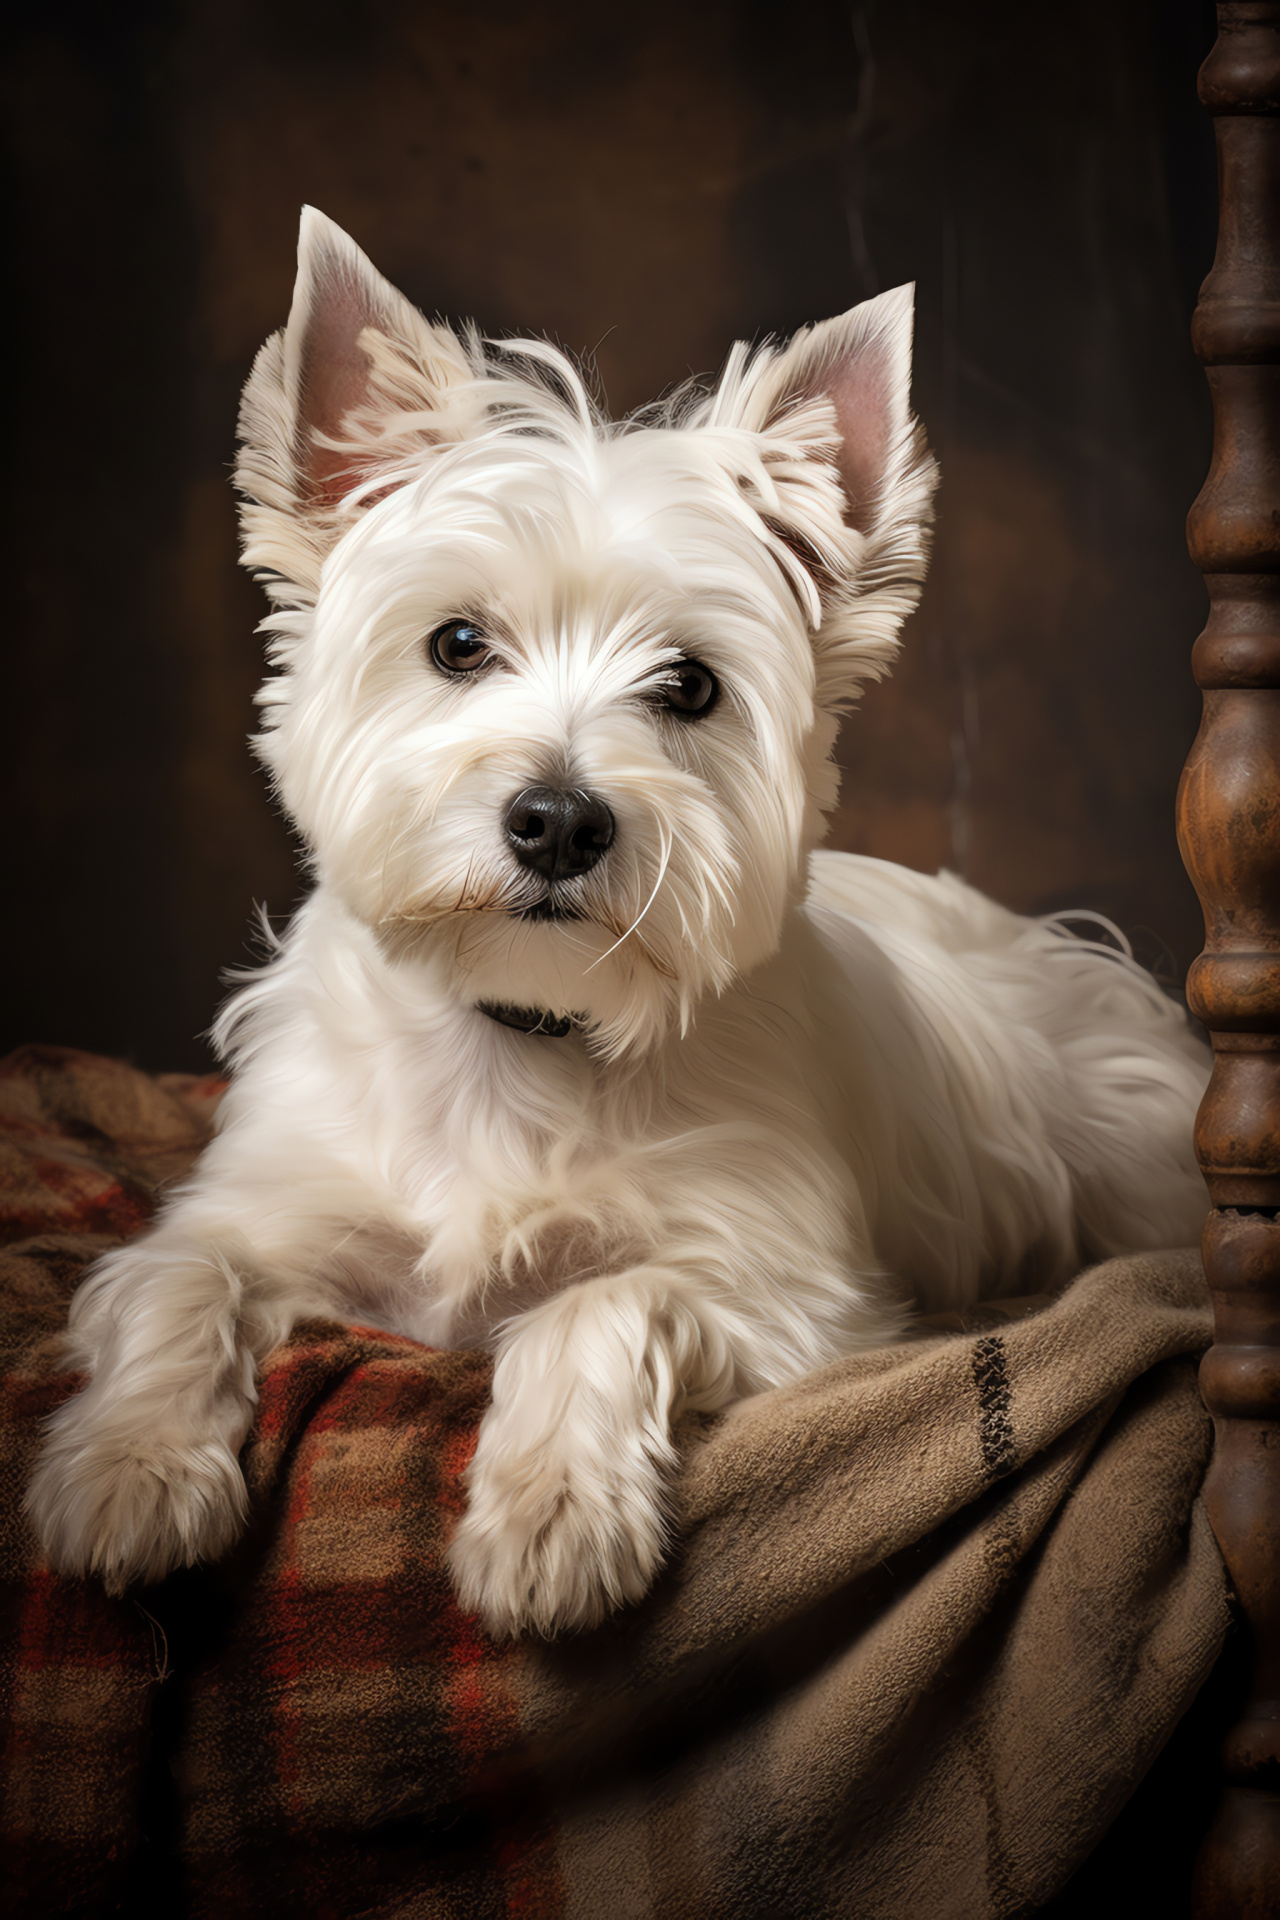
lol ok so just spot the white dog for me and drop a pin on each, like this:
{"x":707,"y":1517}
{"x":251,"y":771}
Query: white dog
{"x":578,"y":1048}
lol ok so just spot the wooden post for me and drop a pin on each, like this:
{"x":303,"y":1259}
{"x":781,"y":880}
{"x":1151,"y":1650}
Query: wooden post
{"x":1229,"y":831}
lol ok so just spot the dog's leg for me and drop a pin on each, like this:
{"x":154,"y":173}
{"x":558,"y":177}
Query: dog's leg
{"x":565,"y":1516}
{"x":770,"y":1274}
{"x":139,"y":1473}
{"x":566,"y":1513}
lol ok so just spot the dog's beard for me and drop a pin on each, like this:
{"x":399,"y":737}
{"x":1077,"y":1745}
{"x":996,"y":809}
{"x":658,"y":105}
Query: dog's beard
{"x":627,"y":950}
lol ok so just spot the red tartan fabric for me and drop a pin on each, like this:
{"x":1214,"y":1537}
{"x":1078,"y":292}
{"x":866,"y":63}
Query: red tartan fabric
{"x":328,"y":1678}
{"x":932,"y":1614}
{"x":84,"y":1145}
{"x":340,"y":1736}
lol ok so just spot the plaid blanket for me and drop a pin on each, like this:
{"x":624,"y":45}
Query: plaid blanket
{"x":932,"y":1614}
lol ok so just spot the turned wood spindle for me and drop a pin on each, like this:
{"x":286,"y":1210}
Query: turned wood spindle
{"x":1229,"y":831}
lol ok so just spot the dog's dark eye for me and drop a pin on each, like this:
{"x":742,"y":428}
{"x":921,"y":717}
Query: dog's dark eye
{"x":459,"y":647}
{"x":691,"y":690}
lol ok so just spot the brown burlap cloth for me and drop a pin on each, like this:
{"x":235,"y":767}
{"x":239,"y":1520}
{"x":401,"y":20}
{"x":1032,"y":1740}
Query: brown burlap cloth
{"x":930,"y":1615}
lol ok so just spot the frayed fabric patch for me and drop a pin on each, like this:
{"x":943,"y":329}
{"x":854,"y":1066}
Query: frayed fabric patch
{"x":995,"y":1428}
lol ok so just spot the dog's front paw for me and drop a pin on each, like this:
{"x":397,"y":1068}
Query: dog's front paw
{"x":133,"y":1506}
{"x":550,"y":1543}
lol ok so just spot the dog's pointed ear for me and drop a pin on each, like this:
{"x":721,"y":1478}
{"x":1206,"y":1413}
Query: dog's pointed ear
{"x":860,"y":363}
{"x":355,"y":382}
{"x":331,"y":363}
{"x":847,"y":480}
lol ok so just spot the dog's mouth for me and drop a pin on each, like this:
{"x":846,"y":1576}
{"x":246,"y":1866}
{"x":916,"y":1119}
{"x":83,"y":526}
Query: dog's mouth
{"x":549,"y":909}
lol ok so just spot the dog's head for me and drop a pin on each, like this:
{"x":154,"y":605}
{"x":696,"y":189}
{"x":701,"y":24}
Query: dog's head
{"x":555,"y":699}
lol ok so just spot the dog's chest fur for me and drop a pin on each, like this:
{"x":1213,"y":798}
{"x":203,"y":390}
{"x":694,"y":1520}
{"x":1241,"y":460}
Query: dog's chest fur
{"x":504,"y":1164}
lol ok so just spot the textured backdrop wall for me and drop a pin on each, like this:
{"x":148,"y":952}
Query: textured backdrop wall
{"x":645,"y":188}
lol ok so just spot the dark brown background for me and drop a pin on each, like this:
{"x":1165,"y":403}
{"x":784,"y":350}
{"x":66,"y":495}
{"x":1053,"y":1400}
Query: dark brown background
{"x":649,"y":183}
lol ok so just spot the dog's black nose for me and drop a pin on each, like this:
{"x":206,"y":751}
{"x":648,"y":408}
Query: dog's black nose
{"x":558,"y":831}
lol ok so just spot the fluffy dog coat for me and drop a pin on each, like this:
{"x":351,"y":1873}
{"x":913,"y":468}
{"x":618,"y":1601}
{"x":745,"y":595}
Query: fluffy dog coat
{"x":770,"y":1095}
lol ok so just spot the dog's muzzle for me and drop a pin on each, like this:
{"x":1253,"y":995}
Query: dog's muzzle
{"x":558,"y":831}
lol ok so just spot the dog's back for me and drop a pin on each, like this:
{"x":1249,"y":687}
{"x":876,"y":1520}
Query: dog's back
{"x":1041,"y":1086}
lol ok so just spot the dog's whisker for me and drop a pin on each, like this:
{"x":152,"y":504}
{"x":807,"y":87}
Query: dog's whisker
{"x":493,"y":902}
{"x":662,"y":874}
{"x":465,"y":889}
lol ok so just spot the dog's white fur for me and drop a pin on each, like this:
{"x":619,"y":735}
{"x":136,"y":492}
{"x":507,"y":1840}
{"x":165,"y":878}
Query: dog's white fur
{"x":803,"y":1088}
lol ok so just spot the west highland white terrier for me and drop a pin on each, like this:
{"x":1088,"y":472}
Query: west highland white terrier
{"x":579,"y":1049}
